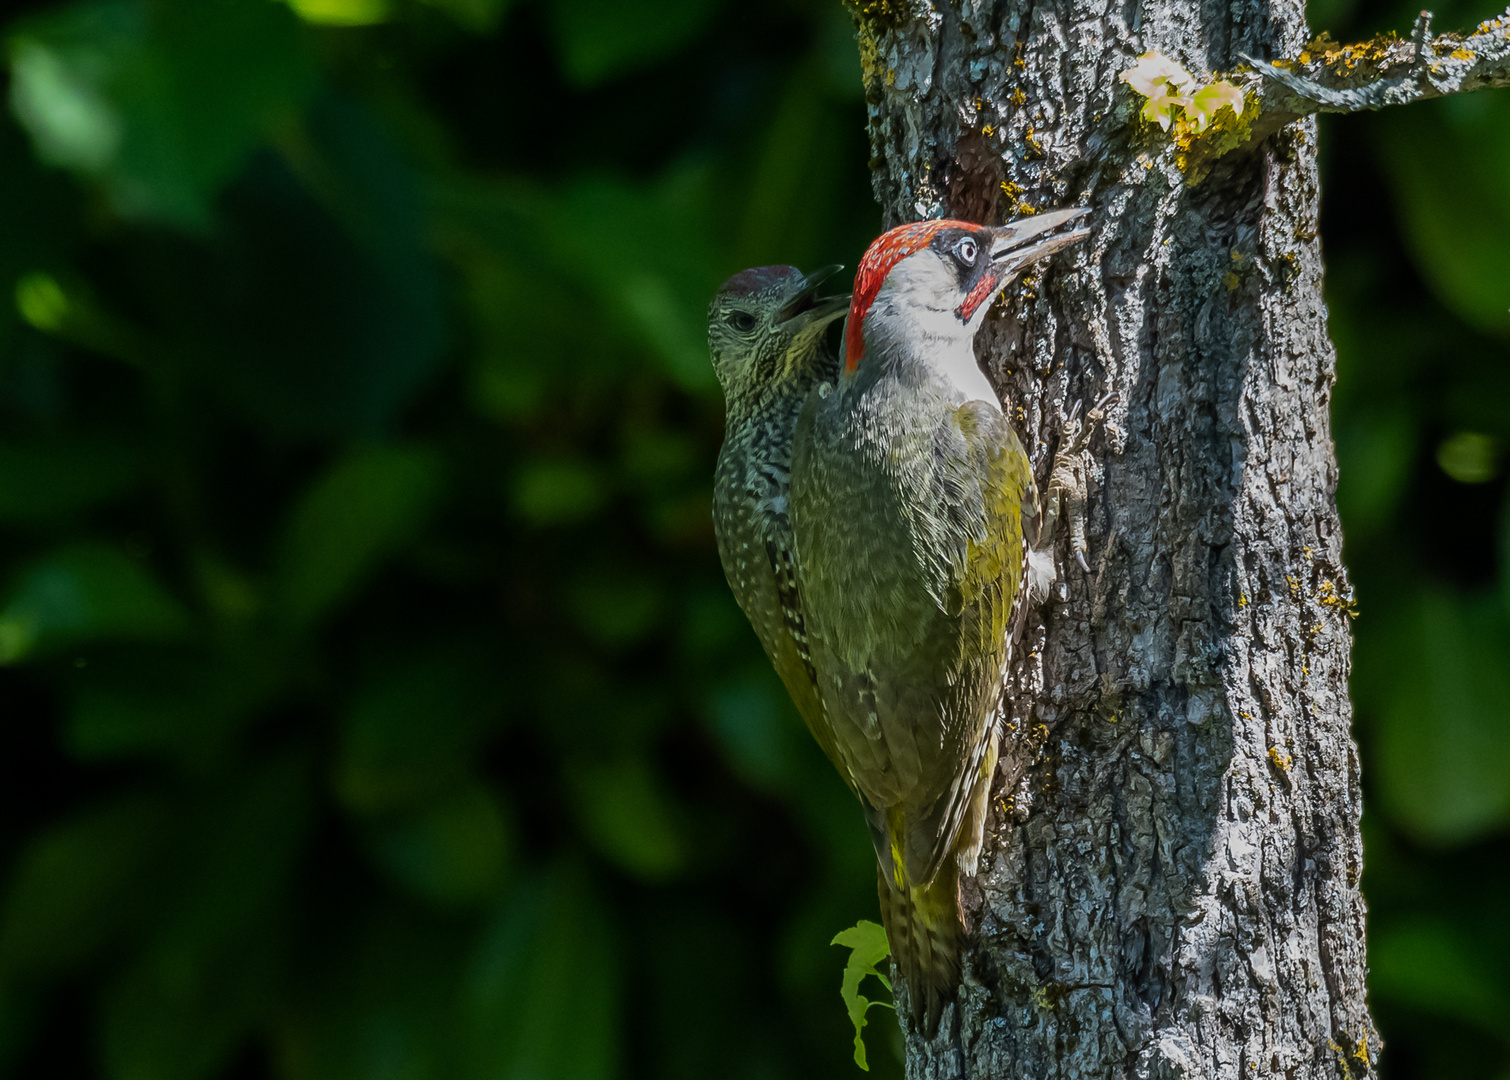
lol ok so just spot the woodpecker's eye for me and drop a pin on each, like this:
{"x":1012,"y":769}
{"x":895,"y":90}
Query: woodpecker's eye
{"x":742,"y":321}
{"x":966,"y":251}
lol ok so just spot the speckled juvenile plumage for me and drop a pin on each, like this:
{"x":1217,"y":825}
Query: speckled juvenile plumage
{"x":913,"y":507}
{"x":766,"y":337}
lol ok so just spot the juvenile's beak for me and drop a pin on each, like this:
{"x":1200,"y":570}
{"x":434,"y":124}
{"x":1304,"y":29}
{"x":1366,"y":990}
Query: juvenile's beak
{"x":1032,"y":238}
{"x":804,"y":302}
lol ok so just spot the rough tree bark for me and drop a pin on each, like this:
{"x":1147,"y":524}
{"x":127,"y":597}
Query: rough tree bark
{"x":1171,"y":885}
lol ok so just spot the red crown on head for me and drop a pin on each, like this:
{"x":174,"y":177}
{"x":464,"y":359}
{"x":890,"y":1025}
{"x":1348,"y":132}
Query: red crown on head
{"x":888,"y":249}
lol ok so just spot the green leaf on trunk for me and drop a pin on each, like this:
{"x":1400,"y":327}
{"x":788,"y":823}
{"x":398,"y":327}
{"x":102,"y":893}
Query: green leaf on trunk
{"x":868,"y":947}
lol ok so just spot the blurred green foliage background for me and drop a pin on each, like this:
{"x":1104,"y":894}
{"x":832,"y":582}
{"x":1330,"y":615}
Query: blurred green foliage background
{"x":373,"y":703}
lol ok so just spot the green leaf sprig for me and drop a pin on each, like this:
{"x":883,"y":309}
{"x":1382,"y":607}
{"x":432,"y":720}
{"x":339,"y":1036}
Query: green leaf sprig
{"x":868,"y":947}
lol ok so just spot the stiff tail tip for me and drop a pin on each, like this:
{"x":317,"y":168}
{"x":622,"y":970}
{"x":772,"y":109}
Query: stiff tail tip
{"x":924,"y":929}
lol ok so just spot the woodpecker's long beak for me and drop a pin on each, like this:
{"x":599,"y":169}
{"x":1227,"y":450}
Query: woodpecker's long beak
{"x":806,"y":303}
{"x":1014,"y":246}
{"x":1032,"y":238}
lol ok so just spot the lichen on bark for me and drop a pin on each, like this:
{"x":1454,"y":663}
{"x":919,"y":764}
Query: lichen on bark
{"x":1171,"y":885}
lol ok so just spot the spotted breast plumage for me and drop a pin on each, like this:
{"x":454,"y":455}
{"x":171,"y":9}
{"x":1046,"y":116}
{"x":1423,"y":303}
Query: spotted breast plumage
{"x":766,"y":335}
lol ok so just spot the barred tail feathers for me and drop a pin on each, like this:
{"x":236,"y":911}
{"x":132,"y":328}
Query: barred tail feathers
{"x":924,"y":923}
{"x":924,"y":929}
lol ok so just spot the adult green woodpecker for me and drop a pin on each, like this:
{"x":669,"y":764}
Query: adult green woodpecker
{"x":914,"y":510}
{"x":766,"y":336}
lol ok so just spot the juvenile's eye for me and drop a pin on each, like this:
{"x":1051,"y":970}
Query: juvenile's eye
{"x":742,"y":321}
{"x":966,"y":251}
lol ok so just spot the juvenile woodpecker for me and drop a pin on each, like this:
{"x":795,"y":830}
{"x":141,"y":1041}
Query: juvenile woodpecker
{"x":913,"y":505}
{"x":766,"y":336}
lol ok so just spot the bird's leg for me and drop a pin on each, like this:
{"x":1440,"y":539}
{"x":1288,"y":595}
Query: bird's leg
{"x":1066,"y":494}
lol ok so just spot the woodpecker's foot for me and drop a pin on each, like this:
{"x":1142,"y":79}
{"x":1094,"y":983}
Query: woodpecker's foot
{"x":1067,"y":482}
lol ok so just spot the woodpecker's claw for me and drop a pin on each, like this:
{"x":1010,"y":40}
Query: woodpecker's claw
{"x":1098,"y":410}
{"x":1072,"y":421}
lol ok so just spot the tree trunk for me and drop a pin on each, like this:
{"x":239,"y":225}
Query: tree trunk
{"x":1170,"y":887}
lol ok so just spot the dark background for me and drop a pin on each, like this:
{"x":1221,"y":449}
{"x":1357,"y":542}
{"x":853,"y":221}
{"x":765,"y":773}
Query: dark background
{"x":371,"y":701}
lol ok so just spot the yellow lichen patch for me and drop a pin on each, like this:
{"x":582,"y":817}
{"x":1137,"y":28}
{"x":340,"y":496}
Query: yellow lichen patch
{"x":1322,"y":43}
{"x":1279,"y":759}
{"x":1018,"y":97}
{"x":1015,"y":205}
{"x":1050,"y":995}
{"x":1341,"y":59}
{"x":1461,"y":53}
{"x":881,"y":14}
{"x":1360,"y":1053}
{"x":1327,"y":595}
{"x":1231,"y":280}
{"x":870,"y":54}
{"x":1224,"y":132}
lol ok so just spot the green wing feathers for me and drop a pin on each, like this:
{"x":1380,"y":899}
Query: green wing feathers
{"x":988,"y":481}
{"x":788,"y":649}
{"x":991,"y":484}
{"x":991,"y":577}
{"x":911,"y":575}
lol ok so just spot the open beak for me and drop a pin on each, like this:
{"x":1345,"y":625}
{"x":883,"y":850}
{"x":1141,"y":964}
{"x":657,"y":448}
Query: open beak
{"x":806,"y":303}
{"x":1032,"y":238}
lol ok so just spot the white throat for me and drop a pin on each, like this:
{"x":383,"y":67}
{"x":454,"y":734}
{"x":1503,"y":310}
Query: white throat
{"x":905,"y":318}
{"x":957,"y":364}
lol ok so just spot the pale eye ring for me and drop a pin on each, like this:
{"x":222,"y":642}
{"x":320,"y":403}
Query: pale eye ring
{"x":966,"y":251}
{"x":742,"y":321}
